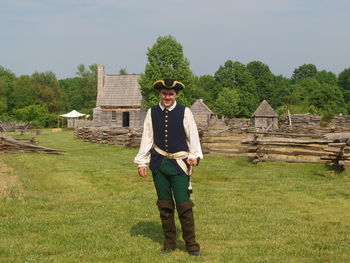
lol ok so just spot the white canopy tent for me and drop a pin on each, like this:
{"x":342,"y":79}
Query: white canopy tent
{"x":72,"y":114}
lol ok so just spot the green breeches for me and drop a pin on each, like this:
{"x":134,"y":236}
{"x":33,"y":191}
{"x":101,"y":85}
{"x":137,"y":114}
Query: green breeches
{"x":169,"y":183}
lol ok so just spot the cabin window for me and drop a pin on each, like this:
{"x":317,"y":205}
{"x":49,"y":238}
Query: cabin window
{"x":126,"y":119}
{"x":114,"y":116}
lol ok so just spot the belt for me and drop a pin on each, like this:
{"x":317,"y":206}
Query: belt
{"x":177,"y":155}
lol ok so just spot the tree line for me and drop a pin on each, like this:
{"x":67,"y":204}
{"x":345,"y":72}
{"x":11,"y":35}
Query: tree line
{"x":41,"y":97}
{"x":234,"y":90}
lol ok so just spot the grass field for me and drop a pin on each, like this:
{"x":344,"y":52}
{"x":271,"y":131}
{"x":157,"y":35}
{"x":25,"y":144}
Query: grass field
{"x":88,"y":205}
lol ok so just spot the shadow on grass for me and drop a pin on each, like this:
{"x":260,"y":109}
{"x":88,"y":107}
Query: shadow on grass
{"x":149,"y":229}
{"x":331,"y":171}
{"x":336,"y":169}
{"x":153,"y":231}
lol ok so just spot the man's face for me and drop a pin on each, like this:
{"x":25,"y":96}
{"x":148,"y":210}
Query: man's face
{"x":168,"y":97}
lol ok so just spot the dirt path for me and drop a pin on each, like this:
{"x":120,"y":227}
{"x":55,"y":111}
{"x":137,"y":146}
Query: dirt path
{"x":10,"y":186}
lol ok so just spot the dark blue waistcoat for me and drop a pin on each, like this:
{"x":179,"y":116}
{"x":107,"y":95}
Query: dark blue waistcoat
{"x":168,"y":134}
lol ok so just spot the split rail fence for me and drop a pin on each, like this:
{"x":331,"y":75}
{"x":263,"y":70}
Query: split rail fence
{"x":333,"y":149}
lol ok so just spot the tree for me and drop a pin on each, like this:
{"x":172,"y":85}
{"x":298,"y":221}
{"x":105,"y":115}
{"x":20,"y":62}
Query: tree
{"x":166,"y":60}
{"x":303,"y":72}
{"x":38,"y":115}
{"x":89,"y":73}
{"x":3,"y":108}
{"x":311,"y":94}
{"x":48,"y":90}
{"x":7,"y":79}
{"x":281,"y":92}
{"x":235,"y":76}
{"x":122,"y":71}
{"x":206,"y":89}
{"x":344,"y":84}
{"x":24,"y":93}
{"x":80,"y":92}
{"x":327,"y":77}
{"x":227,"y":103}
{"x":264,"y":80}
{"x":328,"y":98}
{"x":344,"y":79}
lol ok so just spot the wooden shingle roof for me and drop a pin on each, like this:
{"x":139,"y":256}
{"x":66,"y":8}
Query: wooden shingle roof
{"x":265,"y":110}
{"x":200,"y":107}
{"x":121,"y":91}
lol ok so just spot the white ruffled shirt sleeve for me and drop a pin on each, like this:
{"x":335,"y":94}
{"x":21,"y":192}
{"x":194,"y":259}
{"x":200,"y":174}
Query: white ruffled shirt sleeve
{"x":144,"y":156}
{"x":192,"y":136}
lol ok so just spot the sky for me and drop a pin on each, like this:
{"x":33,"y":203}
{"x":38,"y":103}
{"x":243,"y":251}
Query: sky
{"x":57,"y":36}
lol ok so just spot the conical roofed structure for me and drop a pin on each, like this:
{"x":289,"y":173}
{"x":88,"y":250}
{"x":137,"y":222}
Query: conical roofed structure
{"x":265,"y":117}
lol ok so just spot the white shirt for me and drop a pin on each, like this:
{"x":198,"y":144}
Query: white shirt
{"x":143,"y":157}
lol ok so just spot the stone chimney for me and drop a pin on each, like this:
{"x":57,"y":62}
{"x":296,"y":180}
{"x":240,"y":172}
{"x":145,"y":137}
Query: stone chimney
{"x":100,"y":83}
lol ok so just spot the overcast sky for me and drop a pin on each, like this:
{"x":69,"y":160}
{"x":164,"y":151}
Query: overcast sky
{"x":58,"y":35}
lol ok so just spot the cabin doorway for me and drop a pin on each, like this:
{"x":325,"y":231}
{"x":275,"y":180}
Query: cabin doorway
{"x":126,"y":119}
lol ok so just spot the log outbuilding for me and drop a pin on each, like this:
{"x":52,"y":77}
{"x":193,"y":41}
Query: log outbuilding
{"x":201,"y":112}
{"x":265,"y":117}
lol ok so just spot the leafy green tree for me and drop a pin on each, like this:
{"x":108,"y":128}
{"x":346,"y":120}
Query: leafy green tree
{"x":7,"y":79}
{"x":166,"y":60}
{"x":3,"y":108}
{"x":225,"y":76}
{"x":303,"y":72}
{"x":344,"y":84}
{"x":344,"y":79}
{"x":328,"y":98}
{"x":326,"y":77}
{"x":24,"y":93}
{"x":123,"y":71}
{"x":35,"y":114}
{"x":264,"y":80}
{"x":281,"y":92}
{"x":90,"y":90}
{"x":48,"y":90}
{"x":38,"y":89}
{"x":227,"y":103}
{"x":206,"y":90}
{"x":309,"y":93}
{"x":89,"y":73}
{"x":234,"y":75}
{"x":80,"y":92}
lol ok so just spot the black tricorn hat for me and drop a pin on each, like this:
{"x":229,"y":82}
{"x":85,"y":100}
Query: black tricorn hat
{"x":168,"y":84}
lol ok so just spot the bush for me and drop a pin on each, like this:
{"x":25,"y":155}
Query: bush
{"x":37,"y":115}
{"x":326,"y":117}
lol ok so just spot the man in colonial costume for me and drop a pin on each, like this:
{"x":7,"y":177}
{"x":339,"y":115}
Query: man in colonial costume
{"x":170,"y":147}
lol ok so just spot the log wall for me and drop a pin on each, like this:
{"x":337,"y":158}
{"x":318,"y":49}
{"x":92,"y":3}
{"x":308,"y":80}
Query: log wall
{"x":109,"y":135}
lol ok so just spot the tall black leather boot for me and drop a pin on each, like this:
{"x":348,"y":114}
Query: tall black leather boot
{"x":166,"y":210}
{"x":187,"y":225}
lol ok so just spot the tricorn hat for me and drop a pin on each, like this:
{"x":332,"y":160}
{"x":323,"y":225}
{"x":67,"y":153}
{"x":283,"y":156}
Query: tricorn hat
{"x":168,"y":84}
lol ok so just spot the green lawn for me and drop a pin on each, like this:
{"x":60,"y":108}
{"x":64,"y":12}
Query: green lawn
{"x":88,"y":205}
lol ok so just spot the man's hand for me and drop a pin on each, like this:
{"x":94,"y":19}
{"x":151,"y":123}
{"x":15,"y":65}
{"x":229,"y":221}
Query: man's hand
{"x":192,"y":161}
{"x":142,"y":171}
